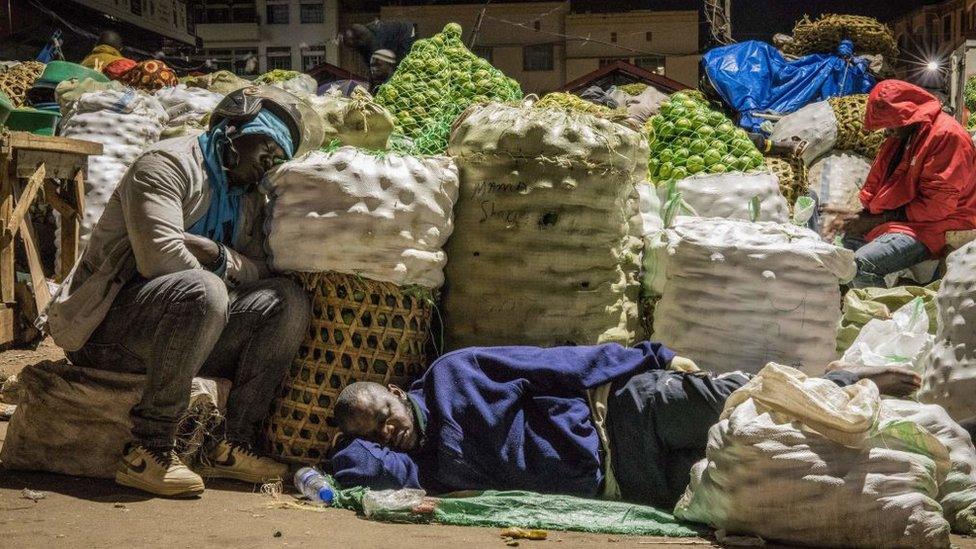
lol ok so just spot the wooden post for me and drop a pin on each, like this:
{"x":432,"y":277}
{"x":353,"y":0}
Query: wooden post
{"x":71,"y":225}
{"x":7,"y":298}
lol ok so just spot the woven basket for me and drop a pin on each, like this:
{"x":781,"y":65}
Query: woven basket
{"x":792,"y":175}
{"x":361,"y":330}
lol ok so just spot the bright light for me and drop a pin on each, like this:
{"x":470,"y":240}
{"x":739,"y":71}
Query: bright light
{"x":932,"y":66}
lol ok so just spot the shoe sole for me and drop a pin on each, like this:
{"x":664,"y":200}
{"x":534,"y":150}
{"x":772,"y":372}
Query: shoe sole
{"x":131,"y":481}
{"x":216,"y":472}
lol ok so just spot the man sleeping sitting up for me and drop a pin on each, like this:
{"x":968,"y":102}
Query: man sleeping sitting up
{"x":606,"y":420}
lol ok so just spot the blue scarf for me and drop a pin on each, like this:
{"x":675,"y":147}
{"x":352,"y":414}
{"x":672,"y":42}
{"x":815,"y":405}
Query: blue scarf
{"x":220,"y":222}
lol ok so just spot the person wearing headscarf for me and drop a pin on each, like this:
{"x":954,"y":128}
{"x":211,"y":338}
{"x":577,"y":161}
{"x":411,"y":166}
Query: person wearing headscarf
{"x":381,"y":67}
{"x":174,"y":283}
{"x":108,"y":49}
{"x":922,"y":184}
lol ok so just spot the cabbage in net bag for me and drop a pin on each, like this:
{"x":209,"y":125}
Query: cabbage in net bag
{"x":434,"y":84}
{"x":689,"y":137}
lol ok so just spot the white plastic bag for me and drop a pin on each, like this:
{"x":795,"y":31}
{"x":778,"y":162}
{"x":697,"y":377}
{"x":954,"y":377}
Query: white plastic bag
{"x":815,"y":123}
{"x":404,"y":499}
{"x":901,"y":340}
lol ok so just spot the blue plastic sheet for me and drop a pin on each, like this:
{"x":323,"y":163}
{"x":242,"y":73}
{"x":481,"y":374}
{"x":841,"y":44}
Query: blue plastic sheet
{"x":754,"y":77}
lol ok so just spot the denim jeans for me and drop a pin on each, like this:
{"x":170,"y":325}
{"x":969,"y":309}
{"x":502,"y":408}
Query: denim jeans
{"x":188,"y":323}
{"x":889,"y":253}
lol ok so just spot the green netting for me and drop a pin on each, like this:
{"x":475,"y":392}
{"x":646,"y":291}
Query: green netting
{"x":276,"y":75}
{"x":571,"y":103}
{"x":863,"y":305}
{"x":635,"y":88}
{"x":689,"y":137}
{"x":433,"y":85}
{"x":535,"y":511}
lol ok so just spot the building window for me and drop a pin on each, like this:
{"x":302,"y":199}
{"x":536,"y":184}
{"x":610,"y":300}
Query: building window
{"x":647,"y":36}
{"x":312,"y":59}
{"x":279,"y":58}
{"x":312,"y":13}
{"x":244,"y":12}
{"x":537,"y":25}
{"x":483,"y":52}
{"x":538,"y":57}
{"x":135,"y":6}
{"x":604,"y":61}
{"x":653,"y":63}
{"x":277,"y":14}
{"x":217,"y":13}
{"x":223,"y":59}
{"x":613,"y":37}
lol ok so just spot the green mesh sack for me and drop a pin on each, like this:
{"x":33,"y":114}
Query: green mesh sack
{"x":571,"y":103}
{"x":689,"y":137}
{"x":434,"y":84}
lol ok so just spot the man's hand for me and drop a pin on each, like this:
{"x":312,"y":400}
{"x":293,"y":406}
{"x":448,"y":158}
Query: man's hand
{"x":205,"y":250}
{"x":863,"y":223}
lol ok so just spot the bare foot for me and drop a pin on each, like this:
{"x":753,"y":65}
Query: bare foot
{"x":891,"y":380}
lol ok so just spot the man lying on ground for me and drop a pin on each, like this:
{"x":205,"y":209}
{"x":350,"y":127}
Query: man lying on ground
{"x":604,"y":420}
{"x":174,"y":284}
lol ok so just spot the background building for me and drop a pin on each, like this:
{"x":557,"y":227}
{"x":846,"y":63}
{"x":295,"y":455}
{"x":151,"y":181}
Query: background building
{"x":276,"y":34}
{"x":544,"y":45}
{"x":146,"y":26}
{"x":928,"y":34}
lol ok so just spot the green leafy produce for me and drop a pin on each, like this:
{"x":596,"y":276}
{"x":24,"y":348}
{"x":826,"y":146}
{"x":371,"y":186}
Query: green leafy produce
{"x":572,"y":103}
{"x":688,"y":137}
{"x":434,"y":84}
{"x":277,"y":75}
{"x":635,"y":88}
{"x":969,"y":95}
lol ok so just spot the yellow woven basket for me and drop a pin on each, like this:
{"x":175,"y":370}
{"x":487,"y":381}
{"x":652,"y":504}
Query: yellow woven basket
{"x":361,"y":330}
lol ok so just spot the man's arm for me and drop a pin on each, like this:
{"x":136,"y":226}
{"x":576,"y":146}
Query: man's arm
{"x":151,"y":194}
{"x":363,"y":463}
{"x":945,"y":171}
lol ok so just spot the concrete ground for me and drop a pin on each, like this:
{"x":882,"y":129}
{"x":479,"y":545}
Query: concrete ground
{"x":80,"y":512}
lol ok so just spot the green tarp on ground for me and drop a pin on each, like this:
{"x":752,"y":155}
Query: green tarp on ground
{"x":860,"y":306}
{"x":535,"y":511}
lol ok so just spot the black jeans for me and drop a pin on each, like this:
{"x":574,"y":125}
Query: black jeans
{"x":184,"y":324}
{"x":658,"y":428}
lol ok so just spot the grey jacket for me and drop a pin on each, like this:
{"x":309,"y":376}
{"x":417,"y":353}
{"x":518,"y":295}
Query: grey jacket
{"x":141,"y":231}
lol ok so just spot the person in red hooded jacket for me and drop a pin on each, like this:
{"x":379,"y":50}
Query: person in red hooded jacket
{"x":922,"y":184}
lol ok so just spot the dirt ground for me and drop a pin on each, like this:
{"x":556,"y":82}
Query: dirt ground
{"x":80,"y":512}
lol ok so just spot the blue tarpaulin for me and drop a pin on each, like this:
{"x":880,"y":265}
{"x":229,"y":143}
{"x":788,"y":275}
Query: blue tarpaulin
{"x":754,"y":77}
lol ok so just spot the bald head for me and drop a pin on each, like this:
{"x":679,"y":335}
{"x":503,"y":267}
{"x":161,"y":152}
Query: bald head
{"x":110,"y":38}
{"x":376,"y":413}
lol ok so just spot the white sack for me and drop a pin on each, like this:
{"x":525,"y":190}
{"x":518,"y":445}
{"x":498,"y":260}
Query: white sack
{"x":125,"y":123}
{"x":189,"y":106}
{"x":729,"y":195}
{"x":902,"y":340}
{"x":642,"y":106}
{"x":815,"y":123}
{"x":801,"y":461}
{"x":738,"y":295}
{"x":301,"y":83}
{"x":383,"y":217}
{"x":950,"y":372}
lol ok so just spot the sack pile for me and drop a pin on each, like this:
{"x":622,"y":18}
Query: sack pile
{"x":546,"y":248}
{"x":75,"y":420}
{"x":356,"y":121}
{"x":433,"y":84}
{"x":851,"y":135}
{"x":950,"y":378}
{"x":222,"y":82}
{"x":837,"y":178}
{"x":751,"y":196}
{"x":798,"y":460}
{"x":188,"y":109}
{"x":290,"y":81}
{"x":738,"y":295}
{"x":862,"y":305}
{"x":125,"y":123}
{"x":869,"y":35}
{"x":381,"y":216}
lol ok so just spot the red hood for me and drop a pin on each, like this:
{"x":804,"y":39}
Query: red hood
{"x":894,"y":103}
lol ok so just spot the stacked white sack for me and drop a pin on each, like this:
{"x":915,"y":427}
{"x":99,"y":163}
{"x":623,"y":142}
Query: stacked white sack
{"x":125,"y":123}
{"x":730,"y":195}
{"x":799,"y":460}
{"x":950,"y":378}
{"x":385,"y":217}
{"x":837,"y":178}
{"x":547,"y":246}
{"x":299,"y":84}
{"x":738,"y":295}
{"x":187,"y":108}
{"x":815,"y":123}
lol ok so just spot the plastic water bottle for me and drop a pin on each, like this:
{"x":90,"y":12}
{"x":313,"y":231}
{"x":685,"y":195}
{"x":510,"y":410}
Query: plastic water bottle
{"x":313,"y":485}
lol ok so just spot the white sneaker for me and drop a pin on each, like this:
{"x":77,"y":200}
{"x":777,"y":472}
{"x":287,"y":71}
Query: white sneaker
{"x":157,"y":472}
{"x":237,"y":461}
